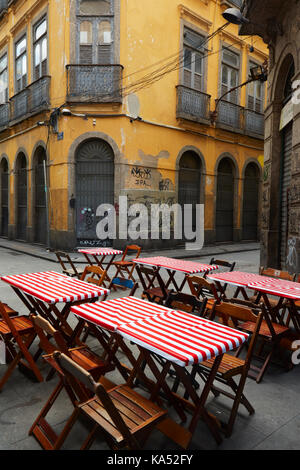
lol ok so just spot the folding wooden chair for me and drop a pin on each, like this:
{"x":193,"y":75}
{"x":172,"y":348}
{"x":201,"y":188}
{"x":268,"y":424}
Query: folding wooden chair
{"x":124,"y":418}
{"x":224,"y":264}
{"x":153,"y":286}
{"x":124,"y":284}
{"x":17,"y":333}
{"x":232,"y":366}
{"x":125,"y":265}
{"x":10,"y":311}
{"x":81,"y":355}
{"x":65,"y":260}
{"x":203,"y":289}
{"x":97,"y":275}
{"x":270,"y":333}
{"x":186,"y":302}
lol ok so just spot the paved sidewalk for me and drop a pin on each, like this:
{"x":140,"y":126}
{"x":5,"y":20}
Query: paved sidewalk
{"x":41,"y":252}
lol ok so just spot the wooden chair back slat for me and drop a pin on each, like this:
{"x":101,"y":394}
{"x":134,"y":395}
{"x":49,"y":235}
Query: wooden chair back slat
{"x":95,"y":271}
{"x":276,"y":273}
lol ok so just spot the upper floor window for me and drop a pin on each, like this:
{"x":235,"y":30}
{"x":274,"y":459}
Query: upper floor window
{"x":96,"y":41}
{"x":255,"y":94}
{"x":95,"y":7}
{"x":3,"y":79}
{"x":40,"y":49}
{"x":21,"y":64}
{"x":230,"y":74}
{"x":193,"y":55}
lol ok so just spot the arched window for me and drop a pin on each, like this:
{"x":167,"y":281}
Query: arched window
{"x":250,"y":202}
{"x":40,"y":211}
{"x":94,"y":186}
{"x":189,"y":186}
{"x":21,"y":194}
{"x":225,"y":200}
{"x":4,"y":196}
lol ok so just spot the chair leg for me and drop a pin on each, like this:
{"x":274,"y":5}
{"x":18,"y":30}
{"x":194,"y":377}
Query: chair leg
{"x":90,"y":438}
{"x":235,"y":406}
{"x":10,"y":369}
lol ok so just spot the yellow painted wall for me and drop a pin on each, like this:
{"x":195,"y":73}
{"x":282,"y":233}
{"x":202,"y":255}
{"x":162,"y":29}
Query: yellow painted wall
{"x":150,"y":32}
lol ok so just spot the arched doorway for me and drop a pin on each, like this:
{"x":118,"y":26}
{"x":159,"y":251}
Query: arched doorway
{"x":286,"y":170}
{"x":4,"y":196}
{"x":250,"y":202}
{"x":225,"y":201}
{"x":21,"y":193}
{"x":189,"y":187}
{"x":40,"y":208}
{"x":94,"y":182}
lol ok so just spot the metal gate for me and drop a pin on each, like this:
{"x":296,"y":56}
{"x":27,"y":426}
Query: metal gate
{"x":287,"y":134}
{"x":250,"y":202}
{"x":21,"y":175}
{"x":4,"y":197}
{"x":40,"y":211}
{"x":189,"y":187}
{"x":94,"y":186}
{"x":224,"y":204}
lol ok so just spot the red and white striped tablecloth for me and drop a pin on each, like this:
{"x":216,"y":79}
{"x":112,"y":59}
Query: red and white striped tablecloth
{"x":52,"y":287}
{"x":100,"y":251}
{"x":236,"y":278}
{"x":188,"y":267}
{"x":110,"y":314}
{"x":277,"y":287}
{"x":183,"y":346}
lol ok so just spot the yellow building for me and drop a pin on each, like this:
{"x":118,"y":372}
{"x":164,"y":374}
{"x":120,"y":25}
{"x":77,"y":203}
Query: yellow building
{"x":112,"y":98}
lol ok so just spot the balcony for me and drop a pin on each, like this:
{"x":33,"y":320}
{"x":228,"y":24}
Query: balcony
{"x":32,"y":100}
{"x":254,"y":123}
{"x":4,"y":116}
{"x":94,"y":83}
{"x":230,"y":116}
{"x":192,"y":105}
{"x":230,"y":3}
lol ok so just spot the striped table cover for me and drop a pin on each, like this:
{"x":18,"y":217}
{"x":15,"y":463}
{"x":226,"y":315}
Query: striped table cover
{"x":236,"y":278}
{"x":183,"y":346}
{"x":188,"y":267}
{"x":277,"y":287}
{"x":52,"y":287}
{"x":100,"y":251}
{"x":110,"y":314}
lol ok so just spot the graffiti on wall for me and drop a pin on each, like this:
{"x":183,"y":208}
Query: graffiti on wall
{"x":292,"y":255}
{"x":142,"y":176}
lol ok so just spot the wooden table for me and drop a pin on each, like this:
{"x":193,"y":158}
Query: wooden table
{"x":98,"y":255}
{"x":173,"y":265}
{"x":181,"y":339}
{"x":284,"y":290}
{"x":238,"y":279}
{"x":41,"y":292}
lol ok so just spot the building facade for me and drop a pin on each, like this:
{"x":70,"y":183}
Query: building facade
{"x":278,"y":25}
{"x":109,"y":98}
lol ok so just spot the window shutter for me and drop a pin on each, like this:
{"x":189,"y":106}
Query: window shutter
{"x":86,"y":54}
{"x":104,"y":54}
{"x":187,"y":77}
{"x":36,"y":72}
{"x":250,"y":102}
{"x":197,"y":82}
{"x":44,"y":67}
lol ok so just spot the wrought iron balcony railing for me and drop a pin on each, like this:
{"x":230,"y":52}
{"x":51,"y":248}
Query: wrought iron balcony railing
{"x":39,"y":96}
{"x":33,"y":99}
{"x":94,"y":83}
{"x":19,"y":105}
{"x":192,"y":104}
{"x":253,"y":122}
{"x":230,"y":115}
{"x":4,"y":115}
